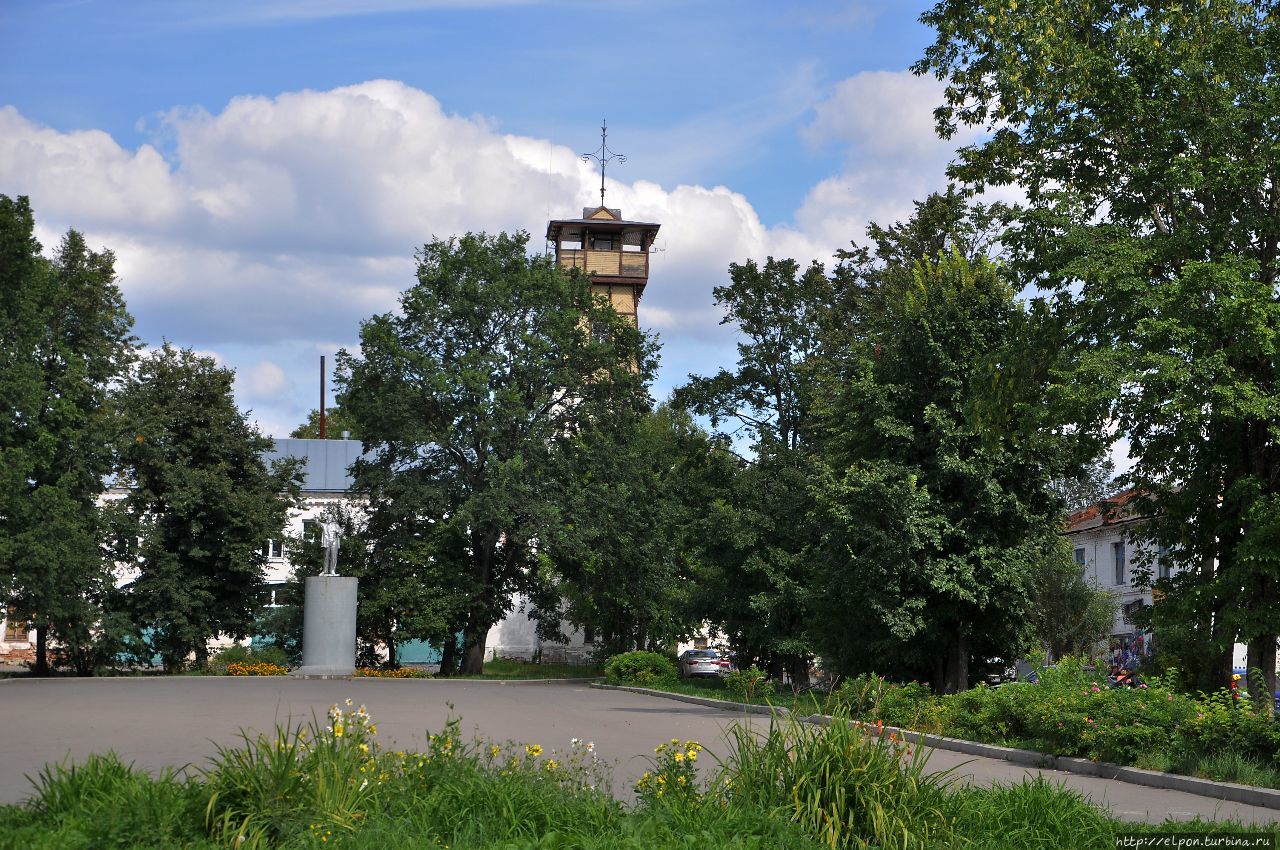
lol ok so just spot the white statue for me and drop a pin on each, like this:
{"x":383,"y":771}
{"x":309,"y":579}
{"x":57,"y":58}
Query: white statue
{"x":330,"y":537}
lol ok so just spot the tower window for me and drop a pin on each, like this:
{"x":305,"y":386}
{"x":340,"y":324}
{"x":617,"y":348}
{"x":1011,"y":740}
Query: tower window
{"x":603,"y":242}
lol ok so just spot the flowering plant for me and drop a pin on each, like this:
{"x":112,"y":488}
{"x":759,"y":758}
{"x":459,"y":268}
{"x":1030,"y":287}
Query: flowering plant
{"x":255,"y":668}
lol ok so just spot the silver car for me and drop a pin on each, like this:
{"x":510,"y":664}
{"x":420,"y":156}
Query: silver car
{"x":700,"y":662}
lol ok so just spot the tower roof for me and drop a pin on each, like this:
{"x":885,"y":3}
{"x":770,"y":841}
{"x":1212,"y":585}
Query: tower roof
{"x":600,"y":220}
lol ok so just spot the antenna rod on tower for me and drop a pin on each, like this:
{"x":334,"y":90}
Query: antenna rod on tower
{"x":603,"y":155}
{"x":322,"y":396}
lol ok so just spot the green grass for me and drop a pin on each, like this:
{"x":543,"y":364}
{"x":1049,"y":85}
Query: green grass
{"x":505,"y":668}
{"x":328,"y":784}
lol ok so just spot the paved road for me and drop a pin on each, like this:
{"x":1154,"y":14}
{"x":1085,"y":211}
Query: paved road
{"x":155,"y":722}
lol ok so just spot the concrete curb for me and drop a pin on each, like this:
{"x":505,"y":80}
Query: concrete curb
{"x":722,"y":704}
{"x":1249,"y":795}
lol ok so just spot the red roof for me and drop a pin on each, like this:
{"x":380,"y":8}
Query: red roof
{"x":1110,"y":511}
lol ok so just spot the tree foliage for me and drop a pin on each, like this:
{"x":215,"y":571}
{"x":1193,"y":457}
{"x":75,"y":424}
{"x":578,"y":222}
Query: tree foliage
{"x":200,"y":503}
{"x":336,"y":423}
{"x":934,"y":500}
{"x":494,"y":364}
{"x":627,"y":565}
{"x":1066,"y":616}
{"x":64,"y":339}
{"x":758,"y":561}
{"x":1144,"y":135}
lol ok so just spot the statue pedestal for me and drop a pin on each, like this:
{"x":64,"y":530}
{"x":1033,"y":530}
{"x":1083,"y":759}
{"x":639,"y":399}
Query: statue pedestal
{"x":328,"y":628}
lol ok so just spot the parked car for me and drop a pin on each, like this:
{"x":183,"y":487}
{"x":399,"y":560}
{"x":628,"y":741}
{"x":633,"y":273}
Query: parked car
{"x":700,"y":662}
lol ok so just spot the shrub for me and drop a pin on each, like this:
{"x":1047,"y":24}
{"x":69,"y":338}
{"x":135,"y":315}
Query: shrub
{"x":639,"y":668}
{"x":745,"y":684}
{"x":873,"y":698}
{"x":243,"y":656}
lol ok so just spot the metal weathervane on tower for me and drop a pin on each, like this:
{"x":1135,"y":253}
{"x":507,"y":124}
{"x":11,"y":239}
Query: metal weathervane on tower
{"x":603,"y":156}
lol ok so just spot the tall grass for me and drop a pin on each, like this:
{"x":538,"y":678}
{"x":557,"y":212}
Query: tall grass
{"x":844,"y":783}
{"x":329,"y":784}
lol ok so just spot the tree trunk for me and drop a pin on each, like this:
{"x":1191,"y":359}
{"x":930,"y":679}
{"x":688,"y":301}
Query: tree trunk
{"x":42,"y":649}
{"x":940,"y":675}
{"x":449,"y":653}
{"x":799,"y":671}
{"x":202,"y":655}
{"x":1267,"y":661}
{"x":473,"y":646}
{"x":392,"y":661}
{"x":958,"y":664}
{"x":776,"y":668}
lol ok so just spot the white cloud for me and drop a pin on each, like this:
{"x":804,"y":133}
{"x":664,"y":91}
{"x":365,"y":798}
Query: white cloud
{"x":263,"y":380}
{"x":279,"y":223}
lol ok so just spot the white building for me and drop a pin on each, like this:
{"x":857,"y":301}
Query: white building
{"x":1100,"y":538}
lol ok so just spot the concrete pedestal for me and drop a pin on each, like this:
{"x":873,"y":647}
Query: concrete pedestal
{"x":328,"y":627}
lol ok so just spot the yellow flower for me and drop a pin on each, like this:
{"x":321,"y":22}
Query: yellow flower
{"x":337,"y":730}
{"x":660,"y":748}
{"x":675,"y":742}
{"x":373,"y":730}
{"x":679,"y":757}
{"x":680,"y":780}
{"x":494,"y":750}
{"x":364,"y":748}
{"x":552,"y":764}
{"x":534,"y":750}
{"x":692,"y":755}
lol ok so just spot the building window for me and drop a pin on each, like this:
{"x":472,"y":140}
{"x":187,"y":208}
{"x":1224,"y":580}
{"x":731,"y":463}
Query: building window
{"x":1128,"y":611}
{"x":1162,"y":562}
{"x":15,"y":631}
{"x":1080,"y":556}
{"x":274,"y":549}
{"x":276,"y":596}
{"x":1118,"y":549}
{"x":588,"y":634}
{"x":311,"y":529}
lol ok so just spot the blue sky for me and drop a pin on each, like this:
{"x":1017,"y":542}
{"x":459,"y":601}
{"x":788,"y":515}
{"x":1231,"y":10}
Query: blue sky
{"x":265,"y":170}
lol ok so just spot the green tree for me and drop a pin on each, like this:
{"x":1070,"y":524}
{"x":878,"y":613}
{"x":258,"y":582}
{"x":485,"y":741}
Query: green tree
{"x":199,"y":505}
{"x":495,"y":362}
{"x":627,"y":564}
{"x":64,"y":338}
{"x":781,"y":312}
{"x":336,"y":423}
{"x":934,"y":500}
{"x":1144,"y":136}
{"x":1066,"y":615}
{"x":1095,"y":481}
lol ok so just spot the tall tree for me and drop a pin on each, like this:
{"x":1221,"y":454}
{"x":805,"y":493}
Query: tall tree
{"x":934,"y":501}
{"x":64,"y":338}
{"x":627,"y":564}
{"x":781,"y":312}
{"x":1066,"y":616}
{"x":1144,"y":137}
{"x":494,"y":363}
{"x":200,"y":503}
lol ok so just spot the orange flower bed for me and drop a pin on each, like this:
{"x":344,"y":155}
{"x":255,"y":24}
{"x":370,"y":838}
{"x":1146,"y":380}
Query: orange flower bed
{"x":400,"y":673}
{"x":256,"y":668}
